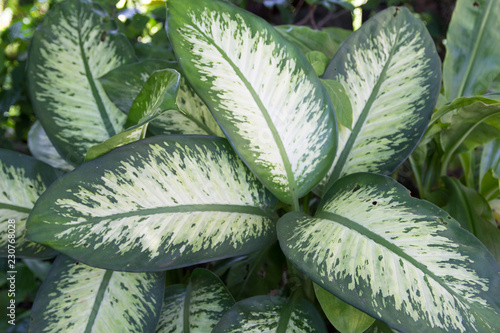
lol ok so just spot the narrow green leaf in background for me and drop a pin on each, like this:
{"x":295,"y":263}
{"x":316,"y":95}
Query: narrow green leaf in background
{"x":22,"y":180}
{"x":340,"y":101}
{"x":158,"y":95}
{"x":73,"y":46}
{"x":286,"y":132}
{"x":344,"y":317}
{"x":197,"y":307}
{"x":79,"y":298}
{"x":472,"y":58}
{"x":396,"y":258}
{"x":473,"y":125}
{"x":306,"y":39}
{"x":271,"y":314}
{"x":169,"y":201}
{"x":42,"y":149}
{"x":489,"y":170}
{"x":473,"y":213}
{"x":318,"y":61}
{"x":192,"y":117}
{"x":391,"y":100}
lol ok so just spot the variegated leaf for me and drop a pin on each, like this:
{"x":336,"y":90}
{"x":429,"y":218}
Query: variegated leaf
{"x":396,"y":258}
{"x":271,"y":314}
{"x":192,"y":116}
{"x":162,"y":202}
{"x":22,"y":180}
{"x":197,"y":307}
{"x":73,"y":46}
{"x":392,"y":99}
{"x":472,"y":53}
{"x":260,"y":89}
{"x":41,"y":148}
{"x":158,"y":94}
{"x":78,"y":298}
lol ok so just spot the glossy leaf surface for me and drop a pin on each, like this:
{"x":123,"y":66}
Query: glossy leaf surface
{"x":197,"y":307}
{"x":22,"y":180}
{"x":79,"y":298}
{"x":271,"y":314}
{"x":73,"y":46}
{"x":391,"y":100}
{"x":284,"y":132}
{"x":397,"y":258}
{"x":169,"y":202}
{"x":472,"y":53}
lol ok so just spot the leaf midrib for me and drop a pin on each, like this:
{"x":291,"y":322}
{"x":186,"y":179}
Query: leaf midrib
{"x":352,"y":225}
{"x":291,"y":178}
{"x":475,"y":49}
{"x":98,"y":300}
{"x":239,"y":209}
{"x":15,"y":208}
{"x":348,"y":147}
{"x":90,"y":78}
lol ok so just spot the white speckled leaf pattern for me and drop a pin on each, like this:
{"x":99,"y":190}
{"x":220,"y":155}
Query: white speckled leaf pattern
{"x":193,"y":116}
{"x":71,"y":48}
{"x":162,"y":202}
{"x":197,"y":307}
{"x":397,"y":258}
{"x":271,"y":314}
{"x":392,"y":99}
{"x":260,"y":89}
{"x":42,"y":149}
{"x":78,"y":298}
{"x":22,"y":180}
{"x":157,"y":95}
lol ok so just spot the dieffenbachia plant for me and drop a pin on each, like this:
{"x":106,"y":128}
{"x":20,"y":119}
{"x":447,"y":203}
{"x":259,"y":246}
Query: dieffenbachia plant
{"x":264,"y":173}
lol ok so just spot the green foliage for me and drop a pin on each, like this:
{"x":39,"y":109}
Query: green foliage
{"x":202,"y":170}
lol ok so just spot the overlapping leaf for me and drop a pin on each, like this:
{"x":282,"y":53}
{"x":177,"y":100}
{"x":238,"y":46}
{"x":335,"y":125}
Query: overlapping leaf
{"x":271,"y":314}
{"x":261,"y":90}
{"x":392,"y":99}
{"x":22,"y":180}
{"x":191,"y":116}
{"x":158,"y":94}
{"x":472,"y":53}
{"x":41,"y":148}
{"x":159,"y":203}
{"x":79,"y":298}
{"x":197,"y":307}
{"x":74,"y":45}
{"x":399,"y":259}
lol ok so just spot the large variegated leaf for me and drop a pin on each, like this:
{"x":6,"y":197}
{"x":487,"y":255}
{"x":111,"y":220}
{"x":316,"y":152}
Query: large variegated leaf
{"x":22,"y":180}
{"x":399,"y":259}
{"x":271,"y":314}
{"x":197,"y":307}
{"x":157,"y":95}
{"x":472,"y":54}
{"x":191,"y":115}
{"x":261,"y":90}
{"x":41,"y":148}
{"x":159,"y":203}
{"x":78,"y":298}
{"x":74,"y":45}
{"x":392,"y":99}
